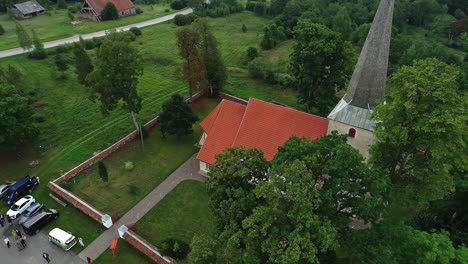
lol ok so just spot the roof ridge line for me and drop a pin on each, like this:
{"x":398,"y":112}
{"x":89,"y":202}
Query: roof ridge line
{"x":241,"y":122}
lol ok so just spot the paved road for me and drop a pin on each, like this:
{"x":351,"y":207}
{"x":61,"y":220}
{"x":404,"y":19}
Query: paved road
{"x":76,"y":38}
{"x":188,"y":171}
{"x":37,"y":244}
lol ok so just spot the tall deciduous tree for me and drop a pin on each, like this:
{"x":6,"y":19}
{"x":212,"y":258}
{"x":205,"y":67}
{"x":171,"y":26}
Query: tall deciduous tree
{"x":83,"y":63}
{"x":398,"y":243}
{"x":115,"y":76}
{"x":39,"y":52}
{"x":23,"y":37}
{"x":62,"y":64}
{"x":321,"y":63}
{"x":349,"y":188}
{"x":193,"y":70}
{"x":177,"y":117}
{"x":16,"y":122}
{"x":216,"y":74}
{"x":421,"y":130}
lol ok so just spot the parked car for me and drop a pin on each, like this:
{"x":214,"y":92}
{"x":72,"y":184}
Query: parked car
{"x":62,"y":238}
{"x":20,"y":206}
{"x":4,"y":188}
{"x":21,"y":188}
{"x":31,"y":211}
{"x":34,"y":224}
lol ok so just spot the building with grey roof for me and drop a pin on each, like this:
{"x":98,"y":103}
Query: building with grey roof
{"x":28,"y":9}
{"x":367,"y":85}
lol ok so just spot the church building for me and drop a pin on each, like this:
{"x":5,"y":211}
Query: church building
{"x":266,"y":126}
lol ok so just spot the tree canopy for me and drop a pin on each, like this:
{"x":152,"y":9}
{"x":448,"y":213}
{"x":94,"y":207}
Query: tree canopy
{"x":321,"y":63}
{"x":109,"y":12}
{"x":422,"y":129}
{"x":16,"y":122}
{"x":83,"y":63}
{"x":115,"y":76}
{"x":193,"y":69}
{"x":177,"y":117}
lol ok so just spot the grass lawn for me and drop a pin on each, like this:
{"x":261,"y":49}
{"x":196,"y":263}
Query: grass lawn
{"x":55,"y":24}
{"x":181,"y":214}
{"x":160,"y":158}
{"x":74,"y":127}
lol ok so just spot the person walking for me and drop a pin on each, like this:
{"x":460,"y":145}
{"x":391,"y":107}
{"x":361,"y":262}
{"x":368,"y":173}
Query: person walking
{"x":23,"y":242}
{"x":23,"y":236}
{"x":8,"y":220}
{"x":2,"y":220}
{"x":46,"y":257}
{"x":88,"y":259}
{"x":7,"y":242}
{"x":15,"y":235}
{"x":19,"y":233}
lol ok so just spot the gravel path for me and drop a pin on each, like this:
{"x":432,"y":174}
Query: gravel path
{"x":76,"y":38}
{"x":188,"y":171}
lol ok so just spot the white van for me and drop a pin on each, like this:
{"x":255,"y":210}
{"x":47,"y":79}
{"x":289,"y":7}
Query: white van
{"x":62,"y":239}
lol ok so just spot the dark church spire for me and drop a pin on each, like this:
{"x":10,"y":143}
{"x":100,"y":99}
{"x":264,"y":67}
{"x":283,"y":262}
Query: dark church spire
{"x":367,"y":84}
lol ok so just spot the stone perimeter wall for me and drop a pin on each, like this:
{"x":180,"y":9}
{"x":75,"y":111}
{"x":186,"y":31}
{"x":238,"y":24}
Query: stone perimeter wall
{"x":140,"y":244}
{"x":146,"y":248}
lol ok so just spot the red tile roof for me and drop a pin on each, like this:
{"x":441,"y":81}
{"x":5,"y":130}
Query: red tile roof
{"x":264,"y":126}
{"x":221,"y":125}
{"x":121,"y":5}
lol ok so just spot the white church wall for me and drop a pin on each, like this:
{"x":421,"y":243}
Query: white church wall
{"x":362,"y":140}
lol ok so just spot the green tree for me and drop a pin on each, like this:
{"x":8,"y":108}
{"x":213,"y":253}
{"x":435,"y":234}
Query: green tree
{"x":39,"y":52}
{"x":231,"y":182}
{"x":109,"y":12}
{"x":421,"y":130}
{"x":83,"y":63}
{"x":216,"y":74}
{"x":71,"y":16}
{"x":16,"y":122}
{"x":2,"y":30}
{"x":23,"y":37}
{"x":277,"y":6}
{"x":244,"y":29}
{"x":177,"y":117}
{"x":342,"y":23}
{"x":103,"y":171}
{"x":286,"y":227}
{"x":115,"y":76}
{"x":203,"y":250}
{"x":61,"y":4}
{"x":320,"y":63}
{"x":193,"y":69}
{"x":350,"y":188}
{"x":252,"y":53}
{"x":398,"y":243}
{"x":62,"y":63}
{"x":360,"y":34}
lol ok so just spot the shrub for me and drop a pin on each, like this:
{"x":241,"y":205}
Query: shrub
{"x":103,"y":171}
{"x":270,"y":76}
{"x":2,"y":30}
{"x":132,"y":189}
{"x":256,"y":70}
{"x":38,"y":118}
{"x":252,"y":53}
{"x":167,"y":10}
{"x":89,"y":44}
{"x":182,"y":20}
{"x":139,"y":11}
{"x":109,"y":12}
{"x":244,"y":28}
{"x":174,"y":248}
{"x":129,"y":165}
{"x":135,"y":31}
{"x":71,"y":16}
{"x":73,"y":8}
{"x":178,"y":4}
{"x":68,"y":185}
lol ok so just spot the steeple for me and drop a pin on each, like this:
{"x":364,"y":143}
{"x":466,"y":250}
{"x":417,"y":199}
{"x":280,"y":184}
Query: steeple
{"x":367,"y":85}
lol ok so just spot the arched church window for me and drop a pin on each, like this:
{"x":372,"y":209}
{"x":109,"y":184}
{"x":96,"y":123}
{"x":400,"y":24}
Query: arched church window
{"x":352,"y":132}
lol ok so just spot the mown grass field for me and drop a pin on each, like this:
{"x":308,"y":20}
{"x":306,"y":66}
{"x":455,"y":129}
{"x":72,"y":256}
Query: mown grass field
{"x":55,"y":24}
{"x":183,"y":213}
{"x":126,"y":188}
{"x":74,"y":127}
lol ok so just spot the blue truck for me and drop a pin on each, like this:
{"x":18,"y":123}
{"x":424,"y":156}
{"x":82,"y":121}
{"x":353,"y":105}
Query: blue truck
{"x":22,"y":187}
